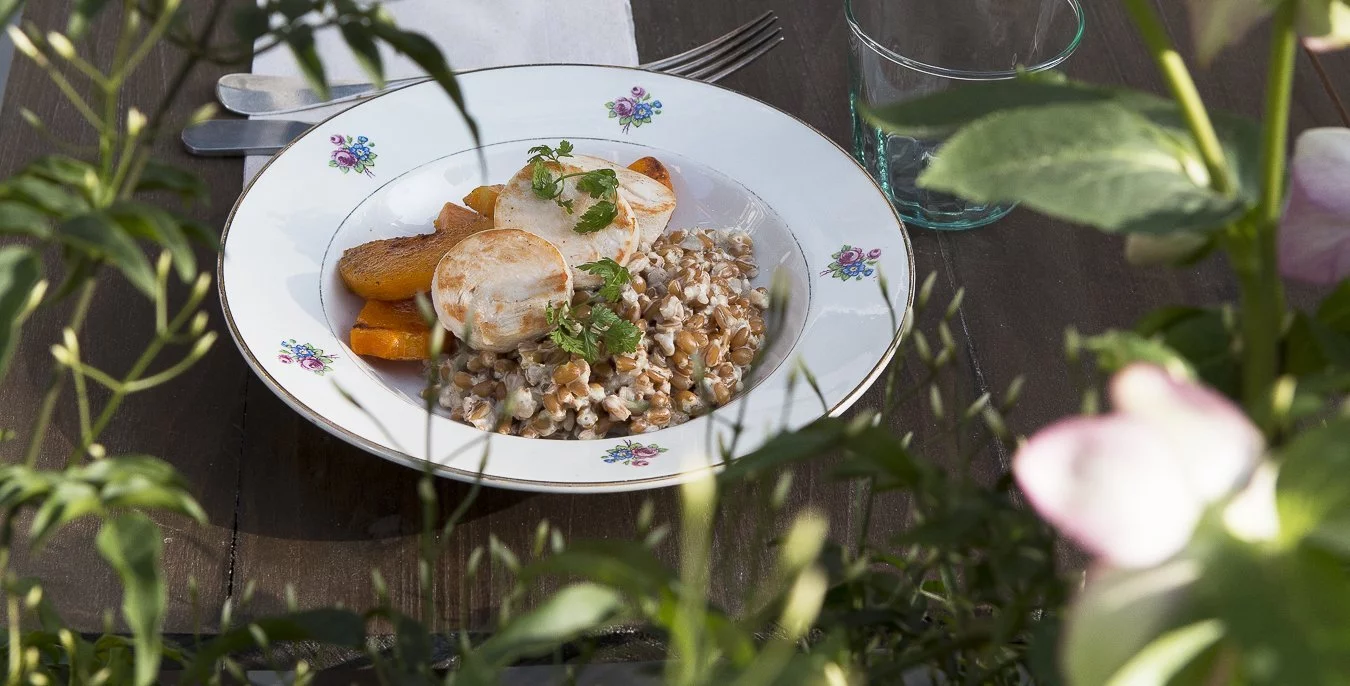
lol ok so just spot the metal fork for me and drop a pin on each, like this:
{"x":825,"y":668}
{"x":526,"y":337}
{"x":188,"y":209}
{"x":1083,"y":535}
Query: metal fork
{"x":257,"y":94}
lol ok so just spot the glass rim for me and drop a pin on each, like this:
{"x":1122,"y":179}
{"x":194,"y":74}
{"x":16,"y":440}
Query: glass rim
{"x":963,"y":74}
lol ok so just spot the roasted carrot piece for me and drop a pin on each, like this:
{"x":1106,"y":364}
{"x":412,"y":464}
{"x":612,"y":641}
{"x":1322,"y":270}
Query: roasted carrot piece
{"x":399,"y":268}
{"x":652,"y":167}
{"x":483,"y":199}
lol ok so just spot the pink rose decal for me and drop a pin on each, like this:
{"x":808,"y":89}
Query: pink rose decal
{"x":852,"y":264}
{"x":308,"y":357}
{"x":352,"y":154}
{"x":633,"y":454}
{"x":635,"y":109}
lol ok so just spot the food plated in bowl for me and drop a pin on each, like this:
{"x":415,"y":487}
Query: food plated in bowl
{"x":573,"y":313}
{"x":816,"y":224}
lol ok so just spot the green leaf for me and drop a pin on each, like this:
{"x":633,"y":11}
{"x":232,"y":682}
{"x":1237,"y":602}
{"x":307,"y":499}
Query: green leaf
{"x":1324,"y":24}
{"x":1288,"y":612}
{"x":1099,"y":164}
{"x":426,"y":55}
{"x":250,"y":22}
{"x":599,"y":183}
{"x":1312,"y":492}
{"x":20,"y":272}
{"x":200,"y":232}
{"x":131,"y":544}
{"x":813,"y":440}
{"x":616,"y":276}
{"x":100,"y":237}
{"x":1199,"y":336}
{"x":1116,"y":350}
{"x":940,"y":114}
{"x":542,"y":182}
{"x":17,"y":218}
{"x":1162,"y":660}
{"x":159,"y":176}
{"x":68,"y":501}
{"x":334,"y":627}
{"x":619,"y":335}
{"x":367,"y":54}
{"x":8,"y":9}
{"x":82,"y":15}
{"x":1119,"y":612}
{"x":67,"y":171}
{"x":150,"y":223}
{"x":568,"y":614}
{"x":44,"y":195}
{"x":1216,"y":24}
{"x":875,"y":453}
{"x":294,"y":9}
{"x":600,"y":215}
{"x":300,"y":39}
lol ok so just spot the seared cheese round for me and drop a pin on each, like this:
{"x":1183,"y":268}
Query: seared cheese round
{"x":519,"y":208}
{"x":652,"y":202}
{"x":492,"y":289}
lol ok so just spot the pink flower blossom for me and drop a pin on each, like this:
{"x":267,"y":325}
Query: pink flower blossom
{"x":1131,"y":486}
{"x":646,"y":451}
{"x":344,"y":158}
{"x":639,"y":463}
{"x":313,"y":364}
{"x":874,"y":253}
{"x":639,"y":91}
{"x":624,"y":107}
{"x":285,"y":359}
{"x":337,"y":139}
{"x":1314,"y":237}
{"x":850,"y":256}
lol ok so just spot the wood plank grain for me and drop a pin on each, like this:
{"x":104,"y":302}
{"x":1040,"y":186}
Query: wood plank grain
{"x":194,"y":422}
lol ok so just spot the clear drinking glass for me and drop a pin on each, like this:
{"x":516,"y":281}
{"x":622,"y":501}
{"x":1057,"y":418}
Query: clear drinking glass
{"x":903,"y":49}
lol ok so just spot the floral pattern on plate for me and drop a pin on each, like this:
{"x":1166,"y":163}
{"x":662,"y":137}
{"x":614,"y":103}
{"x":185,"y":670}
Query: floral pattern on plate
{"x":852,"y":263}
{"x":633,"y":454}
{"x":307,"y":356}
{"x":635,"y":109}
{"x":352,"y":154}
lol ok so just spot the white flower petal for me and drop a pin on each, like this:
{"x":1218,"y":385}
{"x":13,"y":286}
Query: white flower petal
{"x":1314,"y":236}
{"x":1216,"y":446}
{"x":1253,"y":516}
{"x":1113,"y":484}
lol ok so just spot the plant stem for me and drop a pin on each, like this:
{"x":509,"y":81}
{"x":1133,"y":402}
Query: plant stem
{"x":1279,"y":94}
{"x":48,"y":405}
{"x":1252,"y":244}
{"x":1182,"y":87}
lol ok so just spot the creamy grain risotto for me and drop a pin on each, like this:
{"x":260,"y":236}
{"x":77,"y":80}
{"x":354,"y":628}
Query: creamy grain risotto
{"x":702,"y":324}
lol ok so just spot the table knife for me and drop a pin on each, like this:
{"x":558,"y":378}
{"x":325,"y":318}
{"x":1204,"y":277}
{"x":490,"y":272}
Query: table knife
{"x":240,"y":137}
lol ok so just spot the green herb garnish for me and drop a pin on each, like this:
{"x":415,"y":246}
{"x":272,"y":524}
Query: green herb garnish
{"x":614,"y":274}
{"x":598,"y":183}
{"x":601,"y":335}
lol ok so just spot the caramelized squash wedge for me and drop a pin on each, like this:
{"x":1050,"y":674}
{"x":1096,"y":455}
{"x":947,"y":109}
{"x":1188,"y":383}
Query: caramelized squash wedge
{"x":652,"y":168}
{"x":390,"y":331}
{"x":399,"y":268}
{"x":483,"y":199}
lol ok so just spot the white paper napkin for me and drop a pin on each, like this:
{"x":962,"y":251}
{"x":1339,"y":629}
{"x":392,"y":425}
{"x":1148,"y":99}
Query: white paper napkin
{"x":474,"y":34}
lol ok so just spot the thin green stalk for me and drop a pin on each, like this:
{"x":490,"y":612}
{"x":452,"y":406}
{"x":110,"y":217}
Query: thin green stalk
{"x":1255,"y":251}
{"x":15,"y":643}
{"x":1182,"y":87}
{"x":47,"y":407}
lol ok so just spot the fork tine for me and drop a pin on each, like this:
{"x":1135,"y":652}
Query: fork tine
{"x":731,"y":50}
{"x":714,"y":72}
{"x":749,"y":27}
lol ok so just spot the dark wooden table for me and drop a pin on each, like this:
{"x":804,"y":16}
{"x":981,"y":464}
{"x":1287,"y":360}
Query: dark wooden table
{"x":289,"y":504}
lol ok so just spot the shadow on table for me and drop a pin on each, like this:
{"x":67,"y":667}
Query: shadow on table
{"x":298,"y":482}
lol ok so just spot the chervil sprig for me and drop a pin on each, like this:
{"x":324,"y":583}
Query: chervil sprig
{"x":602,"y":334}
{"x":614,"y":274}
{"x":602,"y":184}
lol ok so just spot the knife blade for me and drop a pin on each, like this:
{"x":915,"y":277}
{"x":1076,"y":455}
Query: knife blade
{"x":241,"y":137}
